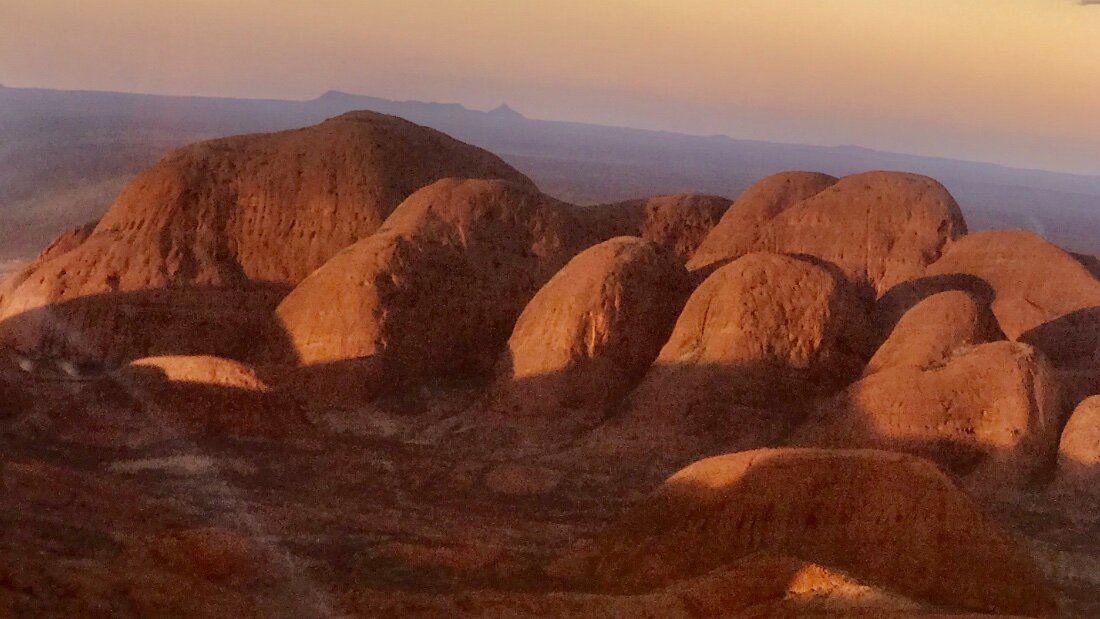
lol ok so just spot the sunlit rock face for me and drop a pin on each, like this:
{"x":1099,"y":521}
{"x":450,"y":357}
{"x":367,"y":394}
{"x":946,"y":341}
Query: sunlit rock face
{"x":196,"y":252}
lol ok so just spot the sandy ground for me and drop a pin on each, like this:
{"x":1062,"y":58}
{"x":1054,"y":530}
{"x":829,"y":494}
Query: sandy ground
{"x":405,"y":511}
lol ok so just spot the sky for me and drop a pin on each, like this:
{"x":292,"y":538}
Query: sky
{"x":1008,"y":81}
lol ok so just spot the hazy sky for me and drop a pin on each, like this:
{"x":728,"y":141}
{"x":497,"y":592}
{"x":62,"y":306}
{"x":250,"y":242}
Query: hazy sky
{"x":1013,"y":81}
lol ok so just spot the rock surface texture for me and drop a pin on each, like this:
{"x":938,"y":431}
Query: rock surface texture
{"x":988,"y":412}
{"x":877,"y":228}
{"x":211,"y":236}
{"x":738,"y":232}
{"x":1041,"y":295}
{"x":755,"y":341}
{"x":592,"y":331}
{"x":890,"y":519}
{"x":677,"y":222}
{"x":1079,"y":449}
{"x":929,"y":333}
{"x":437,"y":290}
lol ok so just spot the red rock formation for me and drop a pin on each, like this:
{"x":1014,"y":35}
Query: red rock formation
{"x":890,"y":519}
{"x":1079,"y":450}
{"x":990,"y":412}
{"x":235,"y":214}
{"x":755,"y":340}
{"x":197,"y":370}
{"x":929,"y":333}
{"x":436,"y":291}
{"x":592,"y":331}
{"x":1034,"y":283}
{"x":878,"y":228}
{"x":167,"y":398}
{"x":677,"y":222}
{"x":737,"y":232}
{"x":1041,"y":296}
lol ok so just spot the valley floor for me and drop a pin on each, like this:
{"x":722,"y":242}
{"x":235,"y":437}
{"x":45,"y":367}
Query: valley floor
{"x":365,"y":513}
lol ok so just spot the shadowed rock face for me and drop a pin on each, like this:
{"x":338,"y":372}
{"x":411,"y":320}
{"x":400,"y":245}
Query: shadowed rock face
{"x":1079,"y":450}
{"x":1041,"y":295}
{"x":677,"y":222}
{"x":891,"y":519}
{"x":929,"y":333}
{"x":158,"y":399}
{"x":878,"y":228}
{"x":755,"y":341}
{"x":787,"y":322}
{"x":235,"y":212}
{"x":235,"y":322}
{"x":990,"y":412}
{"x":591,"y":332}
{"x":1034,"y":284}
{"x":438,"y":289}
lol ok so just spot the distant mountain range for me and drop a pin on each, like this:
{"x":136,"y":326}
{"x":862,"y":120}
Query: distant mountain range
{"x":64,"y":155}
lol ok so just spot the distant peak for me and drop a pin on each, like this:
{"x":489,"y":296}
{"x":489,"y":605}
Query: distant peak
{"x":336,"y":95}
{"x":504,"y":111}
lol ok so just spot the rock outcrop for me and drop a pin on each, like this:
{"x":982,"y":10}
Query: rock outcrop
{"x":592,"y":331}
{"x":1079,"y":450}
{"x":435,"y":292}
{"x":216,"y":229}
{"x":989,"y":412}
{"x":929,"y":333}
{"x":676,"y":222}
{"x":166,"y":398}
{"x":889,"y":519}
{"x":738,"y":231}
{"x":757,"y":339}
{"x":783,"y":327}
{"x":878,"y":228}
{"x":1041,"y":296}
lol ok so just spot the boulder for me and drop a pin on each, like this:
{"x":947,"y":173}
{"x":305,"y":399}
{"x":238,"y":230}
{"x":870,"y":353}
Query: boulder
{"x":196,"y":251}
{"x":889,"y":519}
{"x":435,"y":292}
{"x":588,"y":336}
{"x":878,"y":228}
{"x":1079,"y":450}
{"x":929,"y":333}
{"x":755,"y":341}
{"x":989,"y":412}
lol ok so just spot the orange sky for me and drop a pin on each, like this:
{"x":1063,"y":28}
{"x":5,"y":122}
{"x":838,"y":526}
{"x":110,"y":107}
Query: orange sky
{"x":1016,"y":81}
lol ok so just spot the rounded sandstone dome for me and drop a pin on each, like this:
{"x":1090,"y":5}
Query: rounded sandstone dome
{"x":437,"y":290}
{"x":250,"y":214}
{"x":1041,"y":294}
{"x":736,"y":233}
{"x":761,"y":328}
{"x":933,"y":329}
{"x":756,"y":341}
{"x":200,"y":370}
{"x":590,"y":333}
{"x":676,"y":222}
{"x":877,"y":228}
{"x":888,"y":518}
{"x":989,"y":412}
{"x":1079,"y":449}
